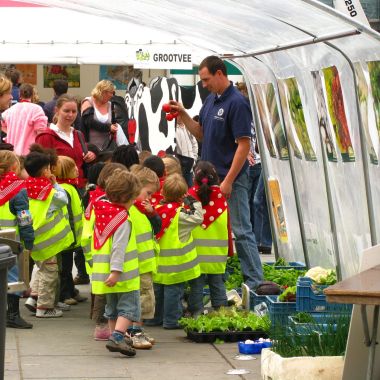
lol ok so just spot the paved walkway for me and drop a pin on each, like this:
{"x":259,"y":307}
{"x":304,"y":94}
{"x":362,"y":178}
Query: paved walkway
{"x":63,"y":348}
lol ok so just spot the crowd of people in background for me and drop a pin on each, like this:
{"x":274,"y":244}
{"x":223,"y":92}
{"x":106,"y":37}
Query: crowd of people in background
{"x":139,"y":226}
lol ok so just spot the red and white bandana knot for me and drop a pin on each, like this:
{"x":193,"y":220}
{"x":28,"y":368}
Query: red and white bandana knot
{"x":108,"y":218}
{"x":216,"y":206}
{"x":94,"y":195}
{"x":10,"y":185}
{"x":38,"y":188}
{"x":167,"y":212}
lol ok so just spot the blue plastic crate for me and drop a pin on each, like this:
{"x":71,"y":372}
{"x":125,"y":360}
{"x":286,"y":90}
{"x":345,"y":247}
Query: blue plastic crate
{"x":310,"y":298}
{"x":279,"y":311}
{"x":292,"y":265}
{"x":255,"y":299}
{"x":323,"y":322}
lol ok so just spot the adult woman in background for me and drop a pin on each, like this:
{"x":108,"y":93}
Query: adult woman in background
{"x":64,"y":138}
{"x":97,"y":116}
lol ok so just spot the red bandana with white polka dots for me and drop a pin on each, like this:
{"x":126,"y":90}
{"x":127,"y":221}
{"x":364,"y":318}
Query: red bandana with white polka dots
{"x":167,"y":212}
{"x":214,"y":208}
{"x":94,"y":195}
{"x":157,"y":196}
{"x":38,"y":188}
{"x":108,"y":218}
{"x":10,"y":185}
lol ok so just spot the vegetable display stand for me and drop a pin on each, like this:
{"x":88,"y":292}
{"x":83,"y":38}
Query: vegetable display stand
{"x":275,"y":367}
{"x":310,"y":298}
{"x":227,"y":336}
{"x":279,"y":311}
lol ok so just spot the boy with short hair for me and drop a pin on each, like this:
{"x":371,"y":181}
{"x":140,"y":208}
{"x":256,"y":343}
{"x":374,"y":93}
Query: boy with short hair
{"x":47,"y":202}
{"x":177,"y":260}
{"x":115,"y":270}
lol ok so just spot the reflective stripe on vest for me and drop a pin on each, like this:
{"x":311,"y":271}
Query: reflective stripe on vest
{"x":145,"y":241}
{"x":129,"y":279}
{"x":86,"y":238}
{"x":212,"y":245}
{"x":58,"y":237}
{"x":8,"y":220}
{"x":179,"y":261}
{"x":77,"y":210}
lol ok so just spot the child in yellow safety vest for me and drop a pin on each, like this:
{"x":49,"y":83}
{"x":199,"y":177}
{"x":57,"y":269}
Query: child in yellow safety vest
{"x":177,"y":260}
{"x":115,"y":271}
{"x":15,"y":214}
{"x":147,"y":223}
{"x":67,"y":173}
{"x":211,"y":239}
{"x":47,"y":201}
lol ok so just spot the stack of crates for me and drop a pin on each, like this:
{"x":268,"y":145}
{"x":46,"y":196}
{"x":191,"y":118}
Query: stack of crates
{"x":279,"y":311}
{"x":310,"y":299}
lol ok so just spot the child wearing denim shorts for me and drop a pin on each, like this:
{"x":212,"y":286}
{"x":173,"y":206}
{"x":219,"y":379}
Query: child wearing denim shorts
{"x":115,"y":270}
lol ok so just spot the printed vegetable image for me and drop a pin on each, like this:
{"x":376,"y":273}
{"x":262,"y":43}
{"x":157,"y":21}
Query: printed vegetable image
{"x":298,"y":118}
{"x":374,"y":75}
{"x":337,"y":113}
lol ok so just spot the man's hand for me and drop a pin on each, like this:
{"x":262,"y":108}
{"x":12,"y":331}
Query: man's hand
{"x":177,"y":106}
{"x":251,"y":159}
{"x":226,"y":189}
{"x":112,"y":279}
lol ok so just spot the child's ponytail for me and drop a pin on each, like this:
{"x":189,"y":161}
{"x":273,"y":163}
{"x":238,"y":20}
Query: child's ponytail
{"x":205,"y":177}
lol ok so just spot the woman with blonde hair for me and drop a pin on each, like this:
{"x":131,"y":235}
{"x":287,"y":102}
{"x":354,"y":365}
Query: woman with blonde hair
{"x":98,"y":121}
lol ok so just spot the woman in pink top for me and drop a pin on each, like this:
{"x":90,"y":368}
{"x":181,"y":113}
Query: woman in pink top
{"x":23,"y":121}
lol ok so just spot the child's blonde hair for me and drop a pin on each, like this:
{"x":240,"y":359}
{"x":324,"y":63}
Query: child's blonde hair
{"x":174,"y":188}
{"x":65,"y":168}
{"x":7,"y":160}
{"x":172,"y":165}
{"x":106,"y":172}
{"x":146,"y":176}
{"x":122,"y":186}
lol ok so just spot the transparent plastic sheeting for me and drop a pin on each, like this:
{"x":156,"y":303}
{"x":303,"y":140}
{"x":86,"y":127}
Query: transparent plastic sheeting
{"x":312,"y":81}
{"x":309,"y":68}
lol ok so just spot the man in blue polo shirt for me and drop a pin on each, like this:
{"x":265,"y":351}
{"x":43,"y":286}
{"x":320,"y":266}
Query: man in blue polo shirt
{"x":224,"y":127}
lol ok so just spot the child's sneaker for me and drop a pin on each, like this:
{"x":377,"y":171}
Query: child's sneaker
{"x":70,"y":301}
{"x":123,"y":346}
{"x":62,"y":306}
{"x":151,"y":340}
{"x":141,"y":342}
{"x":31,"y":304}
{"x":48,"y":313}
{"x":102,"y":332}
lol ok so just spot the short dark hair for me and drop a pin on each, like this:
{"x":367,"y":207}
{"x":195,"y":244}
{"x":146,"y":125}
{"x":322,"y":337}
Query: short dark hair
{"x":26,"y":91}
{"x":213,"y":64}
{"x":14,"y":75}
{"x":35,"y":162}
{"x":156,"y":164}
{"x":126,"y":155}
{"x":60,"y":86}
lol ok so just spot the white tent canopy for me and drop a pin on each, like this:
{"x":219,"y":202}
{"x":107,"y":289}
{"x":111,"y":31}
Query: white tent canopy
{"x":94,"y":31}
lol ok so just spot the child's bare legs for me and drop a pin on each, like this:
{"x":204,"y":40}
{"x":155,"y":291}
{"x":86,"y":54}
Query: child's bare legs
{"x":112,"y":324}
{"x":121,"y":324}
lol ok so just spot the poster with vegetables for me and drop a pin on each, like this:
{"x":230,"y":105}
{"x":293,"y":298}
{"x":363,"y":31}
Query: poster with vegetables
{"x":293,"y":141}
{"x":265,"y":119}
{"x":278,"y":209}
{"x":323,"y":120}
{"x":297,"y":118}
{"x":277,"y":128}
{"x":69,"y":72}
{"x":374,"y":75}
{"x":335,"y":105}
{"x":367,"y":113}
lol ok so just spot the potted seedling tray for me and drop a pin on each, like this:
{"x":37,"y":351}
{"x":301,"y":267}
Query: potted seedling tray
{"x":227,"y":336}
